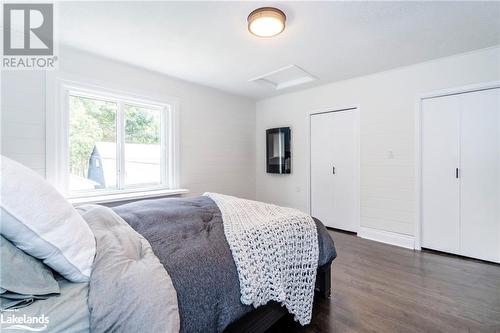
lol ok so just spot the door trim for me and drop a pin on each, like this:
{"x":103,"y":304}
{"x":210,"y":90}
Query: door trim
{"x":356,"y":109}
{"x":418,"y":143}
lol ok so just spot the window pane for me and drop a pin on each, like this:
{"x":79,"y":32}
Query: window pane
{"x":92,"y":144}
{"x":142,"y":145}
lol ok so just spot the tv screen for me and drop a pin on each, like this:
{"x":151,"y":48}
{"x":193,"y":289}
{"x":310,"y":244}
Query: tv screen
{"x":278,"y":157}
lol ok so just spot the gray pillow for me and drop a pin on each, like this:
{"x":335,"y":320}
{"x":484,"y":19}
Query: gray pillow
{"x":23,"y":278}
{"x":37,"y":219}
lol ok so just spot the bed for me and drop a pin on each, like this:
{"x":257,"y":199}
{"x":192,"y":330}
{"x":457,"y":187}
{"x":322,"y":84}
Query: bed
{"x":161,"y":265}
{"x":188,"y":238}
{"x":196,"y":223}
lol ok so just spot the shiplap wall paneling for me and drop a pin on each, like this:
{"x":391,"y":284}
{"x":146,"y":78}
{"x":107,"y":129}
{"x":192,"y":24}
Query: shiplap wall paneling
{"x":388,"y":135}
{"x":217,"y":129}
{"x":23,"y":118}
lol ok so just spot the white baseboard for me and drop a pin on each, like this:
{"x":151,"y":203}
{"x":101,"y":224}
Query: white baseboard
{"x":387,"y":237}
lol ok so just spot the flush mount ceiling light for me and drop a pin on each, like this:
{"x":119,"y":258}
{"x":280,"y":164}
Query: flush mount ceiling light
{"x":266,"y":22}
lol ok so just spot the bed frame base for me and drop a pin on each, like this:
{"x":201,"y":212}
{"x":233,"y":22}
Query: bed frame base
{"x":262,"y":318}
{"x":324,"y":281}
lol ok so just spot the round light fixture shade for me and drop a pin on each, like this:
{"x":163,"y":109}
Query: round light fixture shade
{"x":266,"y":22}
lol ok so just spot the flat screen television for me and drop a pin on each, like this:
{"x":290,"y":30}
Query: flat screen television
{"x":278,"y":157}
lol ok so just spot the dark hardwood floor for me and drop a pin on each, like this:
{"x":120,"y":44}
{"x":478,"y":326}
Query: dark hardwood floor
{"x":383,"y":288}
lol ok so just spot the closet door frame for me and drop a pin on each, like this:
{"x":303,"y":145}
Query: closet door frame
{"x":357,"y":179}
{"x":418,"y":143}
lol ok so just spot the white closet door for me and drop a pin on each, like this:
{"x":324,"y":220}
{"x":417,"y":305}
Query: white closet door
{"x":334,"y":169}
{"x":440,"y":187}
{"x":322,"y":189}
{"x":480,"y":178}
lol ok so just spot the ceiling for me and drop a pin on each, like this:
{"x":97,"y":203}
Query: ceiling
{"x":208,"y":42}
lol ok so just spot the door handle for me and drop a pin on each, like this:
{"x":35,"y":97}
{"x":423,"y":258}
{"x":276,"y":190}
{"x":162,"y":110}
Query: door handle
{"x":333,"y":170}
{"x":457,"y":174}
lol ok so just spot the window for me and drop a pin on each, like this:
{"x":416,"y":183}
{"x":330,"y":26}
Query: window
{"x":92,"y":144}
{"x":113,"y":143}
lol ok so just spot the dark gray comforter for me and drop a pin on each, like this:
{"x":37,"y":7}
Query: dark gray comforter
{"x":187,"y":236}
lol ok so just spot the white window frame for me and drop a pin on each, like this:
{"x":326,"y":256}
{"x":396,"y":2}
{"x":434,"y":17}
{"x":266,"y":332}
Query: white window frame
{"x":57,"y":138}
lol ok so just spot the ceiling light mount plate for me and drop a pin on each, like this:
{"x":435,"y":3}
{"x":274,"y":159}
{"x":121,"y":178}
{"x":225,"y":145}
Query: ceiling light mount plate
{"x":266,"y":22}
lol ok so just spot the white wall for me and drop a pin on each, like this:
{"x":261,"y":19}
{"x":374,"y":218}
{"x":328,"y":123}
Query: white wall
{"x":23,"y":118}
{"x":387,"y":110}
{"x":217,"y":130}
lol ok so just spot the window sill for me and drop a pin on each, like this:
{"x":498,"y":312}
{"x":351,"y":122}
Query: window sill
{"x":75,"y":201}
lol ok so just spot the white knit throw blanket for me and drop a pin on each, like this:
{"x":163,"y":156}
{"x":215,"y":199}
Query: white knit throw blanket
{"x":275,"y":250}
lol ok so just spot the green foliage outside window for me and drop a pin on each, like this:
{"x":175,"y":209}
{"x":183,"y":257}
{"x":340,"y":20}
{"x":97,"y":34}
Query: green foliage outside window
{"x":142,"y":125}
{"x":94,"y":121}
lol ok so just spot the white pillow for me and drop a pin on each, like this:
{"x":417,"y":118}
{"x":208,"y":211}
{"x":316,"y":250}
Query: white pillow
{"x":39,"y":221}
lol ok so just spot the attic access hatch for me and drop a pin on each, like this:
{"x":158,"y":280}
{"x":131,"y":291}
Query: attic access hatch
{"x":285,"y":77}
